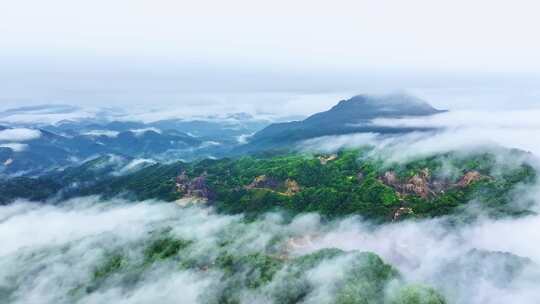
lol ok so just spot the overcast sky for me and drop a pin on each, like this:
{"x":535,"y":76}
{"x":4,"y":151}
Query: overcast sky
{"x":154,"y":51}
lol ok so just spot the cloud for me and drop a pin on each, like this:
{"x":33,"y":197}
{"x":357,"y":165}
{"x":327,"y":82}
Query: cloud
{"x":244,"y":138}
{"x":19,"y":134}
{"x":453,"y":131}
{"x":50,"y":115}
{"x":49,"y":251}
{"x":141,"y":132}
{"x":134,"y":165}
{"x":15,"y":147}
{"x":513,"y":129}
{"x":108,"y":133}
{"x":509,"y":119}
{"x":467,"y":263}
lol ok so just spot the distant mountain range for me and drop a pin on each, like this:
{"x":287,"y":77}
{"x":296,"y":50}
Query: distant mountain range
{"x":69,"y":142}
{"x":353,"y":115}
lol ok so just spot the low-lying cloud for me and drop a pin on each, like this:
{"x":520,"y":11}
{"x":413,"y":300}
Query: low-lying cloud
{"x":513,"y":129}
{"x":452,"y":131}
{"x":97,"y":133}
{"x":49,"y":251}
{"x":19,"y":134}
{"x":15,"y":147}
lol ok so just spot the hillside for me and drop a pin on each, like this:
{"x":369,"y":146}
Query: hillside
{"x":349,"y":182}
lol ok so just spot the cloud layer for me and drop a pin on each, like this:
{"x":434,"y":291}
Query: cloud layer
{"x":48,"y":251}
{"x":453,"y":131}
{"x":19,"y":134}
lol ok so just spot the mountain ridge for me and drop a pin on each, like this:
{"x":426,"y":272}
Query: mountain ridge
{"x":347,"y":116}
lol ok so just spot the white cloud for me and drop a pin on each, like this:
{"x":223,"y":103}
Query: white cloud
{"x":460,"y":130}
{"x":73,"y":237}
{"x":135,"y":165}
{"x":19,"y":134}
{"x":108,"y":133}
{"x":244,"y":138}
{"x":16,"y":147}
{"x":140,"y":132}
{"x":497,"y":119}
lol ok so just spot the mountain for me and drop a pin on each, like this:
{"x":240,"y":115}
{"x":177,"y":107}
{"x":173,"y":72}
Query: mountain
{"x":348,"y":116}
{"x":348,"y":182}
{"x":51,"y":151}
{"x":69,"y":142}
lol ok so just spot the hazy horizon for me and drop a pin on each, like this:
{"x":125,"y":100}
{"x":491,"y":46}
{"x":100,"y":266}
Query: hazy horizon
{"x":277,"y":57}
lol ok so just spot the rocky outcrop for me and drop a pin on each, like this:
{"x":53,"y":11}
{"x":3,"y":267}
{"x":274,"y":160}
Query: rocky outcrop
{"x":390,"y":179}
{"x":182,"y":182}
{"x":419,"y":184}
{"x":292,"y":187}
{"x":288,"y":187}
{"x":400,"y":212}
{"x":263,"y":181}
{"x":423,"y":185}
{"x":194,"y":188}
{"x":469,"y":178}
{"x":324,"y":159}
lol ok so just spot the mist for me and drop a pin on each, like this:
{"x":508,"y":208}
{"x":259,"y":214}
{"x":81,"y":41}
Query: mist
{"x":488,"y":261}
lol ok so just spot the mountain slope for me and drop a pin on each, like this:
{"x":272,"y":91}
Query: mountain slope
{"x":348,"y":116}
{"x":349,"y":182}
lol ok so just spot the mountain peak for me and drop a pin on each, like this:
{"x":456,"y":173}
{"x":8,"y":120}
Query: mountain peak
{"x":348,"y":116}
{"x":371,"y":106}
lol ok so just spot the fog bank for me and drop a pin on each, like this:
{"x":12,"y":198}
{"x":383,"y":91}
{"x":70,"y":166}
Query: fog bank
{"x":49,"y":252}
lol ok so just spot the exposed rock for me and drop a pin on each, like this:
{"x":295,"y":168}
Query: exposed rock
{"x":422,"y":185}
{"x":440,"y":186}
{"x":194,"y":188}
{"x":401,"y":212}
{"x":182,"y":182}
{"x":288,"y":187}
{"x":292,"y":187}
{"x":198,"y":188}
{"x":390,"y":179}
{"x":325,"y":159}
{"x":469,"y":178}
{"x":418,"y":184}
{"x":263,"y":181}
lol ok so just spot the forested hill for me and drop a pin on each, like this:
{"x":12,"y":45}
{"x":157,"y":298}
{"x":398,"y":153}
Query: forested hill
{"x":353,"y":182}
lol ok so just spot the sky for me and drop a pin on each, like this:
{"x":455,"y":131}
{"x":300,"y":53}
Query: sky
{"x":125,"y":52}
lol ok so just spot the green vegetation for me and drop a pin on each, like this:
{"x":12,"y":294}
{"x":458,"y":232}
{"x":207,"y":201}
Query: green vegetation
{"x":111,"y":264}
{"x":37,"y":189}
{"x":359,"y":277}
{"x":163,"y":248}
{"x":416,"y":294}
{"x":365,"y":280}
{"x":352,"y":182}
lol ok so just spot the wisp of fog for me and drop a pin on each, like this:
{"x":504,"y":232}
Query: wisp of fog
{"x":50,"y":252}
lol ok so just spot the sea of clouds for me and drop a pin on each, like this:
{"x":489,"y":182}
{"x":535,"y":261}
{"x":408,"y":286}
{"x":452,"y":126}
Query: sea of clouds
{"x":49,"y":250}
